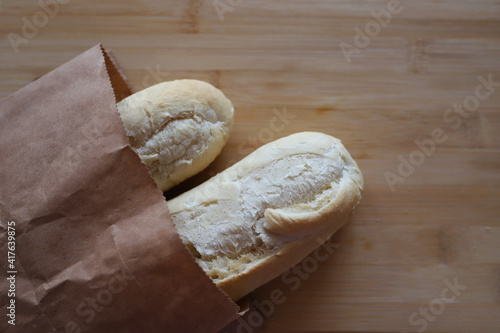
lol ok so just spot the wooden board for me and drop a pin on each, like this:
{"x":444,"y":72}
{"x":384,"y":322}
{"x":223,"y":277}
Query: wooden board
{"x":441,"y":221}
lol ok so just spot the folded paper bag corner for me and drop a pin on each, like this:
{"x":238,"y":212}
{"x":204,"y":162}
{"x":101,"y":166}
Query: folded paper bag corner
{"x":96,"y":249}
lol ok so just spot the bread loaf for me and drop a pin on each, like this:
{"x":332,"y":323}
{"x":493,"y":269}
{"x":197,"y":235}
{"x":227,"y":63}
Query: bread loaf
{"x":177,"y":128}
{"x":261,"y":216}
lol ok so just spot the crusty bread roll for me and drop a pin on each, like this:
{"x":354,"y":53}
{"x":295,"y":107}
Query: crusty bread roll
{"x":261,"y":216}
{"x":177,"y":128}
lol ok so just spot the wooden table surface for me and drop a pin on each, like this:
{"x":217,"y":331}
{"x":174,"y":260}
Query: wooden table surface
{"x":403,"y":84}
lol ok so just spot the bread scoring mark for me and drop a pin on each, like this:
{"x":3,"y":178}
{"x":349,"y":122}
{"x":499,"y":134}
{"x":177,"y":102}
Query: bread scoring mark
{"x":149,"y":151}
{"x":306,"y":179}
{"x":140,"y":145}
{"x":185,"y":114}
{"x":196,"y":139}
{"x":191,"y":24}
{"x":305,"y":199}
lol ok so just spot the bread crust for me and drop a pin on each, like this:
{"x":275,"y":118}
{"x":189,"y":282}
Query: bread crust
{"x":177,"y":128}
{"x":283,"y":232}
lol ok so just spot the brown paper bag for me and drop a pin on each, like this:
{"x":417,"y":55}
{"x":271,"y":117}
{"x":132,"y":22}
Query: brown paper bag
{"x":87,"y":242}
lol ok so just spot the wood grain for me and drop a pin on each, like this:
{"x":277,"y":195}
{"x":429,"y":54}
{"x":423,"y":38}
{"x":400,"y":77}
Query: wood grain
{"x":440,"y":224}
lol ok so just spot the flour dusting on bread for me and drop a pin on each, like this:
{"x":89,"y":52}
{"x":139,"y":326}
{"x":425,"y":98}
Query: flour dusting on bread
{"x":269,"y":207}
{"x":177,"y":128}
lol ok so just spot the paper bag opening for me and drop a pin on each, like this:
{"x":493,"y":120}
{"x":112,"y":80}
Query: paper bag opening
{"x":95,"y":248}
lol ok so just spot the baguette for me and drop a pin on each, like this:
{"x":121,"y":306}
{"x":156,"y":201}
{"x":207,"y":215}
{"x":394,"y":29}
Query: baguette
{"x":261,"y":216}
{"x":177,"y":128}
